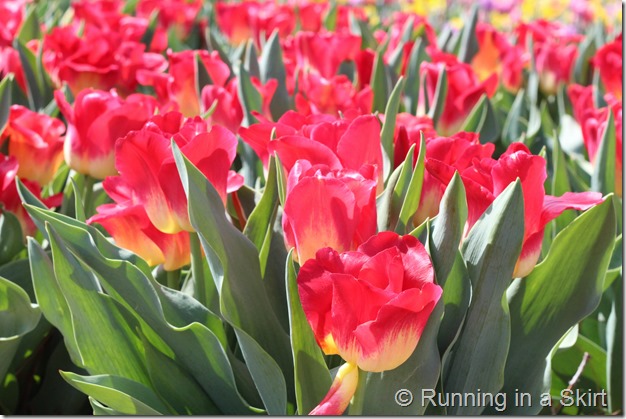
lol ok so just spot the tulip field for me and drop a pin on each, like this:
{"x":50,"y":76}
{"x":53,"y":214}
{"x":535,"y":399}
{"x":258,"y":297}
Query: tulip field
{"x":297,"y":207}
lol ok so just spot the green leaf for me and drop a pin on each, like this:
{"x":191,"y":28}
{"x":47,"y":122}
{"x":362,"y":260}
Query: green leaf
{"x":615,"y":348}
{"x":457,"y":294}
{"x":448,"y":228}
{"x":251,"y":60}
{"x":330,"y":17}
{"x":490,"y":251}
{"x":5,"y":100}
{"x":17,"y":317}
{"x":469,"y":43}
{"x":249,"y":96}
{"x":420,"y":372}
{"x":177,"y":387}
{"x":167,"y":317}
{"x":586,"y":50}
{"x":516,"y":121}
{"x":412,"y":86}
{"x":202,"y":75}
{"x":562,"y":290}
{"x":260,"y":224}
{"x":30,"y":27}
{"x":39,"y":89}
{"x":386,"y":134}
{"x":11,"y":240}
{"x":126,"y":396}
{"x":603,"y":177}
{"x":148,"y":35}
{"x":311,"y":376}
{"x":243,"y":301}
{"x":483,"y":120}
{"x":272,"y":66}
{"x":439,"y":98}
{"x":115,"y":349}
{"x":380,"y":84}
{"x":409,"y":193}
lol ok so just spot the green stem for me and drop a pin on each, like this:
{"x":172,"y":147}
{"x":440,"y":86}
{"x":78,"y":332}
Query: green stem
{"x":356,"y":404}
{"x":173,"y":279}
{"x":88,"y":195}
{"x":196,"y":268}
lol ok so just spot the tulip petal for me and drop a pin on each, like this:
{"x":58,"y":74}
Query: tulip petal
{"x":341,"y":391}
{"x":391,"y":338}
{"x":553,"y":206}
{"x":318,"y":213}
{"x":292,"y":148}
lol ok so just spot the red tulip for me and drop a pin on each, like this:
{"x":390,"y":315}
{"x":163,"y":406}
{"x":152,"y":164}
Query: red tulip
{"x":100,"y":60}
{"x":36,"y":141}
{"x":129,"y":224}
{"x":486,"y":178}
{"x":464,"y":89}
{"x":178,"y":85}
{"x":555,"y":50}
{"x":145,"y":162}
{"x":95,"y":122}
{"x":241,"y":21}
{"x":408,"y":131}
{"x":325,"y":207}
{"x":608,"y":61}
{"x":11,"y":17}
{"x":10,"y":199}
{"x":341,"y":391}
{"x":371,"y":305}
{"x":325,"y":52}
{"x":332,"y":96}
{"x":496,"y":54}
{"x":593,"y":122}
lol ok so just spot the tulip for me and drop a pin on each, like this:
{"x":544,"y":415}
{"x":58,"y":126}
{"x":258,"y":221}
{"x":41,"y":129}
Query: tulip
{"x":609,"y":62}
{"x":325,"y":207}
{"x":129,"y":225}
{"x":337,"y":94}
{"x":96,"y":121}
{"x":341,"y":391}
{"x":242,"y":21}
{"x":36,"y":141}
{"x":178,"y":85}
{"x":464,"y":89}
{"x":145,"y":162}
{"x":370,"y":306}
{"x":10,"y":199}
{"x":313,"y":51}
{"x":593,"y":123}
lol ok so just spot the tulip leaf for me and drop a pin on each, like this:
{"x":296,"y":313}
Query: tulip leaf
{"x":562,"y":290}
{"x":330,"y":17}
{"x":115,"y":349}
{"x":175,"y":322}
{"x":380,"y":84}
{"x":243,"y":300}
{"x":386,"y":133}
{"x":176,"y":387}
{"x":384,"y":201}
{"x":516,"y":121}
{"x":490,"y":251}
{"x":11,"y":240}
{"x":39,"y":86}
{"x":148,"y":35}
{"x":17,"y":318}
{"x":312,"y":377}
{"x":448,"y":228}
{"x":603,"y":177}
{"x":457,"y":294}
{"x":586,"y":50}
{"x":412,"y":85}
{"x":125,"y":396}
{"x":251,"y":60}
{"x":50,"y":298}
{"x":259,"y":226}
{"x":5,"y":100}
{"x":435,"y":108}
{"x":272,"y":66}
{"x":469,"y":43}
{"x":483,"y":120}
{"x":249,"y":96}
{"x":417,"y":374}
{"x":409,"y":193}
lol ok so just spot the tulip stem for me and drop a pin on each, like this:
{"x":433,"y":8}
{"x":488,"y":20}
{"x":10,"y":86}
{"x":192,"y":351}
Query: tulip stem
{"x":196,"y":268}
{"x":173,"y":279}
{"x":89,"y":182}
{"x":356,"y":404}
